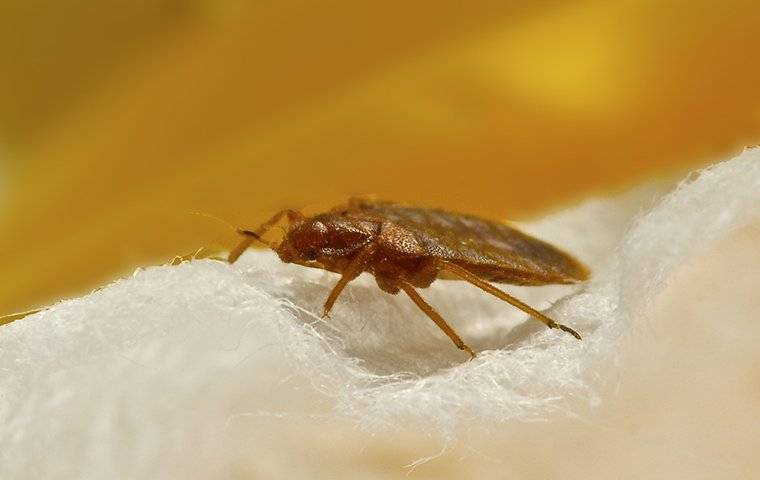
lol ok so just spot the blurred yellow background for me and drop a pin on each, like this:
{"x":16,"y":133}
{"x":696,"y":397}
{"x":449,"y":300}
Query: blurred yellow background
{"x":119,"y":120}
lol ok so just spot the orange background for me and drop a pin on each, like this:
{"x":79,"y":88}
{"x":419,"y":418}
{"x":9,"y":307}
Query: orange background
{"x":119,"y":121}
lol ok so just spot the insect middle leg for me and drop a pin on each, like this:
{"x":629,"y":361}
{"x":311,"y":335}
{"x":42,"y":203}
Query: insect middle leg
{"x":436,"y":317}
{"x":252,"y":236}
{"x":487,"y":287}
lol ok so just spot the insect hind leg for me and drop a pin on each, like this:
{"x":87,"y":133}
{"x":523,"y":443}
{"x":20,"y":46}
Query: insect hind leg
{"x":468,"y":276}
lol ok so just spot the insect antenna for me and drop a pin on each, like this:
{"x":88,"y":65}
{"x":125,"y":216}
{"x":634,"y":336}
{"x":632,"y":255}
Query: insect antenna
{"x":250,"y":237}
{"x":214,"y":217}
{"x":255,"y":236}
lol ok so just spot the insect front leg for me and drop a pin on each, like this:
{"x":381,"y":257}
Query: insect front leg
{"x":465,"y":274}
{"x":354,"y":269}
{"x":251,"y":236}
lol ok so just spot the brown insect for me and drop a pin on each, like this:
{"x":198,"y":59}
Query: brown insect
{"x":406,"y":248}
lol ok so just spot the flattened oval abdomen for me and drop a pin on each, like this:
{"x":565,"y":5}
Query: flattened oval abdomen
{"x":492,"y":250}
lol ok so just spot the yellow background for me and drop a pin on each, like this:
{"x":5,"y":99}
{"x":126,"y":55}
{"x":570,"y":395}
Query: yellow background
{"x":119,"y":119}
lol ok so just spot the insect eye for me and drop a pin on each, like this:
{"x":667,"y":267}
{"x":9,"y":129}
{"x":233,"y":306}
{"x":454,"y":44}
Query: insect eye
{"x":310,"y":254}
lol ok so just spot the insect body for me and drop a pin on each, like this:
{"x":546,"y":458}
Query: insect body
{"x":407,"y":248}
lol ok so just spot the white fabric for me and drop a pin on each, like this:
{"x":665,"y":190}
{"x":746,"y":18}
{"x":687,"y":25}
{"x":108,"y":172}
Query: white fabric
{"x":160,"y":375}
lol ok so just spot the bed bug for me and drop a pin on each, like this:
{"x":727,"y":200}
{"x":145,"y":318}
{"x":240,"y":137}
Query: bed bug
{"x":406,"y":248}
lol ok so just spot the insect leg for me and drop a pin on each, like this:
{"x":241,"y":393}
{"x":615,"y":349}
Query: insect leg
{"x":487,"y":287}
{"x":436,"y":317}
{"x":251,"y":236}
{"x":354,"y":269}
